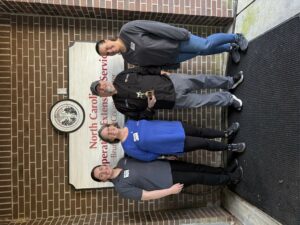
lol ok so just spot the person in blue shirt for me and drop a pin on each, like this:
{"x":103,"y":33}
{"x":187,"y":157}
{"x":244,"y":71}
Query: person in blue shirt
{"x":147,"y":140}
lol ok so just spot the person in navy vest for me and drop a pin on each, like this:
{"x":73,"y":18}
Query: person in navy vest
{"x":147,"y":140}
{"x":151,"y":43}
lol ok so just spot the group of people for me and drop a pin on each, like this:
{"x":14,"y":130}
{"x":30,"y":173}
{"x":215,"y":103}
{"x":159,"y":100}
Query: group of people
{"x":152,"y":170}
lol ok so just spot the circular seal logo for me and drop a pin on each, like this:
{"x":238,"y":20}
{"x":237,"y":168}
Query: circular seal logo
{"x":67,"y":115}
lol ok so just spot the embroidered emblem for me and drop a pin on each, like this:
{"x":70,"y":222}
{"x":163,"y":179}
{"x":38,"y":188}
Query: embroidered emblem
{"x":140,"y":94}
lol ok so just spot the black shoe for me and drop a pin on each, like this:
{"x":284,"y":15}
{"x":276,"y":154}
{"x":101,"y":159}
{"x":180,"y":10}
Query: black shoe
{"x":242,"y":42}
{"x":234,"y":53}
{"x":237,"y":175}
{"x":236,"y":103}
{"x":232,"y":166}
{"x":237,"y":147}
{"x":237,"y":79}
{"x":231,"y":131}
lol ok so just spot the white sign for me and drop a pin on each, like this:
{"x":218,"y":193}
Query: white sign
{"x":86,"y":150}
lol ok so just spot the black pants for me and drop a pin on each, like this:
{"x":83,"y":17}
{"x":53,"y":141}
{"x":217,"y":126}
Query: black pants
{"x":190,"y":173}
{"x":196,"y":138}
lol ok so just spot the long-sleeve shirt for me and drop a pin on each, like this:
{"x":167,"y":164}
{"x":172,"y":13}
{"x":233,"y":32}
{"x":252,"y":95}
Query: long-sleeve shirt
{"x":151,"y":43}
{"x":132,"y":83}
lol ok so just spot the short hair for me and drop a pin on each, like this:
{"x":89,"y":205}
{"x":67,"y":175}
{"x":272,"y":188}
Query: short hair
{"x":93,"y":176}
{"x":98,"y":45}
{"x":106,"y":139}
{"x":94,"y":86}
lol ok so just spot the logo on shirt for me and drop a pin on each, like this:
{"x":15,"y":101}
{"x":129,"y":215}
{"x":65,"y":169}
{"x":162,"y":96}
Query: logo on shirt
{"x":140,"y":94}
{"x":136,"y":137}
{"x":126,"y":173}
{"x":132,"y":46}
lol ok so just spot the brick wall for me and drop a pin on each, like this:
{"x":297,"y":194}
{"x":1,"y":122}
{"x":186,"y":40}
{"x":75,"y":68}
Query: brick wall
{"x":5,"y":117}
{"x":34,"y":185}
{"x":207,"y":12}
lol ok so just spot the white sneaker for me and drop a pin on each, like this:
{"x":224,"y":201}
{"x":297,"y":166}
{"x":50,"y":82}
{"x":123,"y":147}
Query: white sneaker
{"x":236,"y":103}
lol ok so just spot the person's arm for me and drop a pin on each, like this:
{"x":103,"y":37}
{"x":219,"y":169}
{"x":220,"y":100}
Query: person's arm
{"x":164,"y":73}
{"x":146,"y":70}
{"x":133,"y":114}
{"x":150,"y":195}
{"x":159,"y":29}
{"x":147,"y":114}
{"x":141,"y":155}
{"x":168,"y":157}
{"x":173,"y":66}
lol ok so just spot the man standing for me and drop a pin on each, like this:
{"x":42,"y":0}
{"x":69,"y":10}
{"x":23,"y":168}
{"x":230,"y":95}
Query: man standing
{"x":151,"y":43}
{"x":139,"y":91}
{"x":138,"y":180}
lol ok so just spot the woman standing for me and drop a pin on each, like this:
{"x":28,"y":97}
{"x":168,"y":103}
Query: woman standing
{"x":147,"y":140}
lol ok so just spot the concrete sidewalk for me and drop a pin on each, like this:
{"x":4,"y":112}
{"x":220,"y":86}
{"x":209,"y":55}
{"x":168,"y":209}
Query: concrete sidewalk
{"x":262,"y":15}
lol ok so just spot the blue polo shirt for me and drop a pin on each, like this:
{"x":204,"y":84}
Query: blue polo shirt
{"x":148,"y":139}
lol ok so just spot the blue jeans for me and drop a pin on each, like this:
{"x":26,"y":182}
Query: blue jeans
{"x":213,"y":44}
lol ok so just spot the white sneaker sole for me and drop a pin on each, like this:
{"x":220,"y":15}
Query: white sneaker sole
{"x":239,"y":81}
{"x":240,"y":101}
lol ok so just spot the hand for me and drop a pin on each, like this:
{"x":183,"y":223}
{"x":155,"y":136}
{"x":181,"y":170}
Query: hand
{"x":164,"y":73}
{"x":151,"y":101}
{"x":171,"y":157}
{"x":176,"y":188}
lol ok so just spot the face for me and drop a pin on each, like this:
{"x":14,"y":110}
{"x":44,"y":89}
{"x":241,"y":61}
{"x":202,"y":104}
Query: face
{"x":103,"y":172}
{"x":108,"y":48}
{"x":105,"y":88}
{"x":110,"y":132}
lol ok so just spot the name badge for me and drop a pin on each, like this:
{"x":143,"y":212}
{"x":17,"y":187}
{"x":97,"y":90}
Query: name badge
{"x":126,"y":173}
{"x":136,"y":137}
{"x":132,"y":46}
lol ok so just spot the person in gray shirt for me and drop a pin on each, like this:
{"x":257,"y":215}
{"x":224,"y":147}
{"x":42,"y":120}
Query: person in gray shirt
{"x":139,"y":180}
{"x":151,"y":43}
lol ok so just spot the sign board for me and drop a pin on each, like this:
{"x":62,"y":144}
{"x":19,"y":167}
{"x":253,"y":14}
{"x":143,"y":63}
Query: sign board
{"x":86,"y":150}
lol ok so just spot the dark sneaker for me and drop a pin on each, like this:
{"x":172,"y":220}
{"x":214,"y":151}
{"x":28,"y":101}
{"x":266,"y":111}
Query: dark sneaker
{"x":236,"y":103}
{"x":237,"y":79}
{"x":237,"y":175}
{"x":242,"y":42}
{"x":234,"y":53}
{"x":233,"y":165}
{"x":231,"y":131}
{"x":237,"y":147}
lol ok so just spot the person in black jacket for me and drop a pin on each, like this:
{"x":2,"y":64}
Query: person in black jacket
{"x":151,"y":43}
{"x":139,"y":91}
